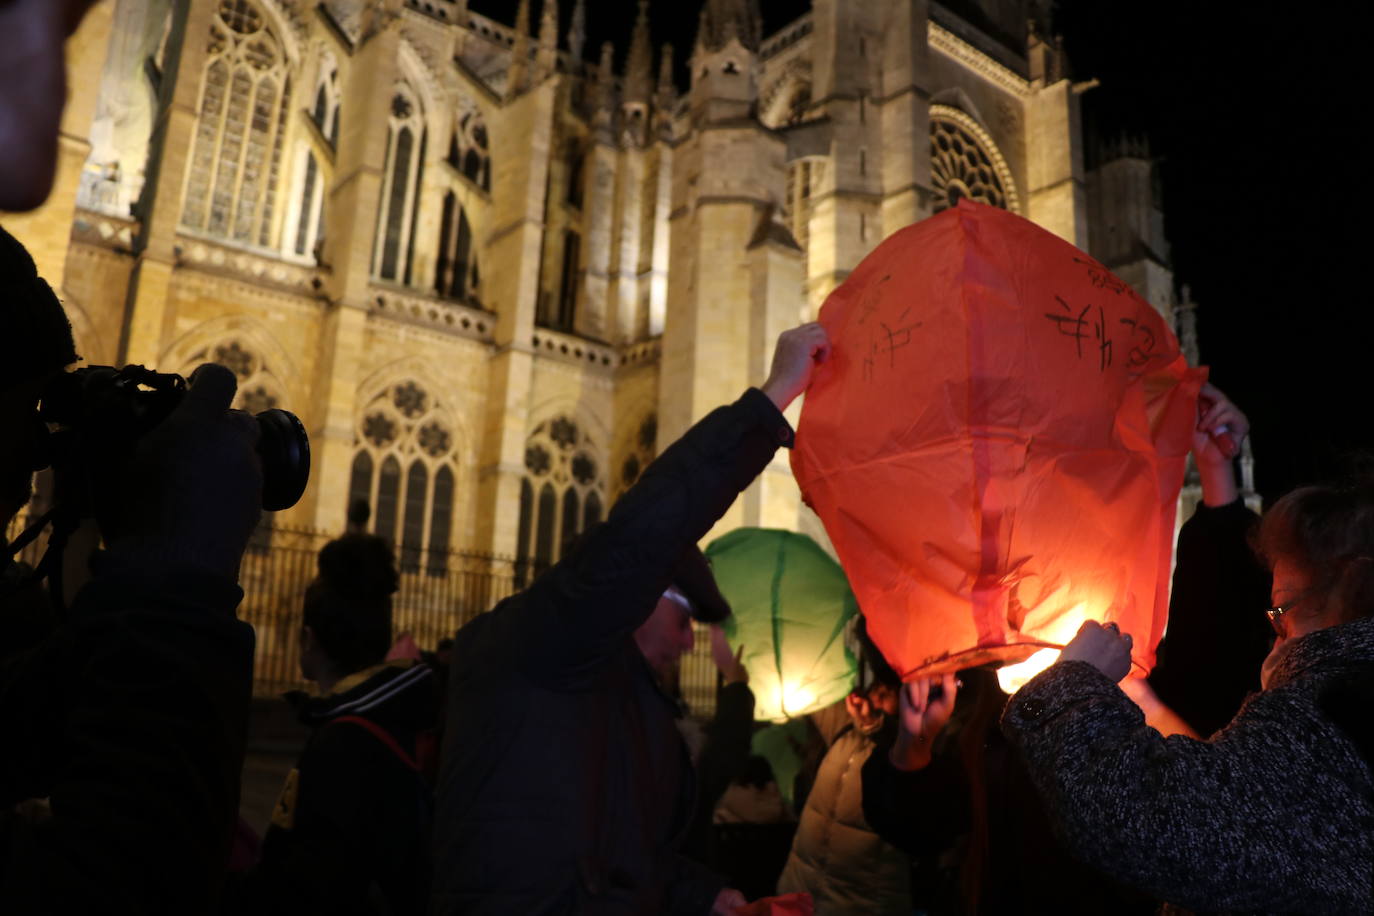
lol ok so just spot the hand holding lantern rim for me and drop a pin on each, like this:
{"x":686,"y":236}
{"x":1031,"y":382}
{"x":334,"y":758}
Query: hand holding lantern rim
{"x":797,"y":354}
{"x":926,"y":705}
{"x":1217,"y":439}
{"x":1105,"y":648}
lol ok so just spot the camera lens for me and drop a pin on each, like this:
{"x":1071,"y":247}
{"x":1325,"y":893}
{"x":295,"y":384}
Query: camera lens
{"x":284,"y":449}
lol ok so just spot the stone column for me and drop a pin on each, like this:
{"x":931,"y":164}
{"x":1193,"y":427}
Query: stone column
{"x":1054,"y":143}
{"x":369,"y":79}
{"x":147,"y":320}
{"x":522,"y":150}
{"x":904,"y":111}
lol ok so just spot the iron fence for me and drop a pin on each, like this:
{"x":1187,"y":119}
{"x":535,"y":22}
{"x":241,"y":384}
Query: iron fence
{"x":439,"y":592}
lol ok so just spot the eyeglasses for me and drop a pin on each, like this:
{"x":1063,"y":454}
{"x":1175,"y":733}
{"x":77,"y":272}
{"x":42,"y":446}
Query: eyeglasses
{"x":1276,"y":612}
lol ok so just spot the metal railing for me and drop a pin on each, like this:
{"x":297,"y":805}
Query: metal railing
{"x":439,"y":592}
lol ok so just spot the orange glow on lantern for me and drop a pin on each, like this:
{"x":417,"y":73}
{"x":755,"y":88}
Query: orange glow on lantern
{"x":997,"y":445}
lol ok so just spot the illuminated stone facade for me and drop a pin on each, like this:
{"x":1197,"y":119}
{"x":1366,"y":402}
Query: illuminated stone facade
{"x":494,"y":271}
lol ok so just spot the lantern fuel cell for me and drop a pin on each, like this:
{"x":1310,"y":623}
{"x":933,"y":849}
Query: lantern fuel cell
{"x":996,"y":445}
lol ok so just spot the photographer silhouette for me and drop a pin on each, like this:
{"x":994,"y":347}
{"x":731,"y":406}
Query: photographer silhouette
{"x":129,"y":716}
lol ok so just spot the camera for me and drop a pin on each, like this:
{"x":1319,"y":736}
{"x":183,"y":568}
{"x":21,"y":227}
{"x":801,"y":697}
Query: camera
{"x":109,"y":409}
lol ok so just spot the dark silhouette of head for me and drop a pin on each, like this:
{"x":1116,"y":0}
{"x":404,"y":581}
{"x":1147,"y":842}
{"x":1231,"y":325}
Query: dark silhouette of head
{"x":347,"y":624}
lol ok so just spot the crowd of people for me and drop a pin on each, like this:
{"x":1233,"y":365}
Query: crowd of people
{"x":541,"y":762}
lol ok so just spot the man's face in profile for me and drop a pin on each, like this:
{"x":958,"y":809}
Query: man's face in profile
{"x":33,"y":89}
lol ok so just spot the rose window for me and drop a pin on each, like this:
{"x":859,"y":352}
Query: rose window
{"x":962,"y":166}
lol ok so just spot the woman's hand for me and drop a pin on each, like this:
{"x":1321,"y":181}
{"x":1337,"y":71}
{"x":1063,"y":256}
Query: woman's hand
{"x":1105,"y":648}
{"x":729,"y":664}
{"x":1220,"y":430}
{"x":926,"y":706}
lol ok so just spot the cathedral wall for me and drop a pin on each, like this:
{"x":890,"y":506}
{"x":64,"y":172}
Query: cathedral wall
{"x":93,"y":297}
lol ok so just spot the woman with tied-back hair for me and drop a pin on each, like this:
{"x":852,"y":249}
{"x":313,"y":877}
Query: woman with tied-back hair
{"x":1273,"y":813}
{"x":350,"y":832}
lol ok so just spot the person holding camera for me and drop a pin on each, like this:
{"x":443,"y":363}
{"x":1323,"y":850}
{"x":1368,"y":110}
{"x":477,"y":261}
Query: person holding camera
{"x":129,"y":717}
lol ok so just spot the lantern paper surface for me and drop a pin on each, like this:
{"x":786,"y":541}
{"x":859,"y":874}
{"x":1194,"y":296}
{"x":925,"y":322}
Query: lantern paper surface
{"x":997,"y":444}
{"x":790,"y":603}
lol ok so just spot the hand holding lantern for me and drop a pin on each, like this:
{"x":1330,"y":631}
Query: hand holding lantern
{"x":1105,"y":648}
{"x":1221,"y":428}
{"x":729,"y":663}
{"x":926,"y":706}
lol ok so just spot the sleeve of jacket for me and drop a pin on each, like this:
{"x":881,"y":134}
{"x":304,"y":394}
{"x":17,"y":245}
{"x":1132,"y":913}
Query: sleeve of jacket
{"x":918,"y":811}
{"x":727,"y":744}
{"x":145,"y":690}
{"x":323,"y":861}
{"x":581,"y":610}
{"x":1227,"y":824}
{"x":1218,"y":636}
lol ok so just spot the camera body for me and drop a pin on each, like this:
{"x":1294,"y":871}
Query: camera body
{"x":110,"y":409}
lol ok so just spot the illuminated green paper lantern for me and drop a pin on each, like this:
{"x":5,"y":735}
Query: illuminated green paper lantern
{"x":790,"y":603}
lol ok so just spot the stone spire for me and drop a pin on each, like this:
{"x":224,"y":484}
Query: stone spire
{"x":639,"y":79}
{"x":666,"y":99}
{"x":577,"y":32}
{"x":667,"y":91}
{"x":518,"y":77}
{"x":605,"y":83}
{"x":722,"y":20}
{"x":1187,"y":327}
{"x":547,"y":62}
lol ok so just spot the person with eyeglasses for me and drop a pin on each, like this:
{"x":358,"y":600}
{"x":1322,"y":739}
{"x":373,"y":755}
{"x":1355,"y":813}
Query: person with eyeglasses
{"x":1275,"y":812}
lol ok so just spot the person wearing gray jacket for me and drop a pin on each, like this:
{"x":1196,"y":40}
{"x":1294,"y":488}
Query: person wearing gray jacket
{"x":1275,"y":812}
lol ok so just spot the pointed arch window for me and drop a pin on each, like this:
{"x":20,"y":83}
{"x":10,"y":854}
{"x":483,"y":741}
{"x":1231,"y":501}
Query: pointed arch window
{"x":325,"y":112}
{"x":400,"y":188}
{"x":456,"y":274}
{"x":232,"y":174}
{"x":562,"y":467}
{"x":468,"y":150}
{"x":406,"y":431}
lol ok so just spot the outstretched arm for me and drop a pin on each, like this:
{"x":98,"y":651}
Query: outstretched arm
{"x":608,"y":586}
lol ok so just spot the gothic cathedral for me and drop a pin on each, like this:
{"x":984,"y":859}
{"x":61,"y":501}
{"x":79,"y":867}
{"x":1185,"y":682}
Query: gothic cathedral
{"x":493,"y":270}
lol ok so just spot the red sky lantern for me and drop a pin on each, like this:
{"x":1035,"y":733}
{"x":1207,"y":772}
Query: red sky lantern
{"x":997,"y":445}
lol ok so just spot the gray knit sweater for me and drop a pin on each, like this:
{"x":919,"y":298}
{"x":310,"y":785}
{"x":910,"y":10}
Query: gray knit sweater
{"x":1273,"y":814}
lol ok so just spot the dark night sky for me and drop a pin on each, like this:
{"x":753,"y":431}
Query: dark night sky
{"x":1256,"y":118}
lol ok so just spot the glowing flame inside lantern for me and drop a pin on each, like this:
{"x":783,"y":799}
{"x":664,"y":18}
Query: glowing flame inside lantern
{"x":795,"y":699}
{"x":1013,"y":677}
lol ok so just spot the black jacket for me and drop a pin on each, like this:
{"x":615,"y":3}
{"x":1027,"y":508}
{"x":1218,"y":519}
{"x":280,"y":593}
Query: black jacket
{"x":565,"y":786}
{"x":929,"y":814}
{"x":131,"y":718}
{"x":350,"y":833}
{"x":1218,"y":636}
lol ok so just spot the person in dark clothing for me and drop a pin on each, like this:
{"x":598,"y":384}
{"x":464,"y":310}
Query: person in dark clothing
{"x":130,"y":715}
{"x":724,"y":751}
{"x":350,"y":833}
{"x":959,"y":799}
{"x":565,"y":785}
{"x":1275,"y":812}
{"x":1209,"y":660}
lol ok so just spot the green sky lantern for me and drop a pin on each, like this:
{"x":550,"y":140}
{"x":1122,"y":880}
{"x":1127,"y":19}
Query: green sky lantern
{"x":791,"y":604}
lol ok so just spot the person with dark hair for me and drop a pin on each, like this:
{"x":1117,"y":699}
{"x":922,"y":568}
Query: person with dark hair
{"x":359,"y":514}
{"x":1275,"y":812}
{"x":566,"y":786}
{"x":955,"y":795}
{"x":1209,"y":659}
{"x":350,"y":833}
{"x":837,"y":857}
{"x":130,"y":715}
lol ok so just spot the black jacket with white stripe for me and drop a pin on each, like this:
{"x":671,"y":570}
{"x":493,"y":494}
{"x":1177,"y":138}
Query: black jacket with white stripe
{"x":350,"y":833}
